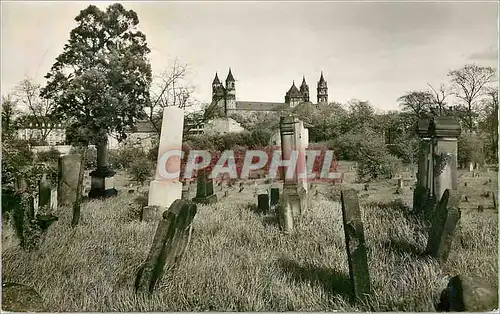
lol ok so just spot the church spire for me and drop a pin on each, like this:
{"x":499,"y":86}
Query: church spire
{"x":216,"y":80}
{"x":230,"y":77}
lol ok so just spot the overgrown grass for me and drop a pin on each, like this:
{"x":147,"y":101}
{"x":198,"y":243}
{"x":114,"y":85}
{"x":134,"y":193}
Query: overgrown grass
{"x":239,"y":261}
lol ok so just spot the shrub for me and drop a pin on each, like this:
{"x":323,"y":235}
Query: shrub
{"x":16,"y":155}
{"x":123,"y":157}
{"x":470,"y":149}
{"x":140,"y":169}
{"x":90,"y":161}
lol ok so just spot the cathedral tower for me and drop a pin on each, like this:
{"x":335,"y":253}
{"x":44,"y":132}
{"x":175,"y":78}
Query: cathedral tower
{"x":304,"y":90}
{"x":230,"y":91}
{"x":322,"y":90}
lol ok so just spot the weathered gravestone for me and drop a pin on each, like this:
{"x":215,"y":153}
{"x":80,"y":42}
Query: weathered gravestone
{"x":285,"y":214}
{"x":275,"y":197}
{"x":47,"y":196}
{"x":170,"y":242}
{"x":204,"y":188}
{"x":69,"y":168}
{"x":263,"y":202}
{"x":465,"y":294}
{"x":166,"y":187}
{"x":355,"y":243}
{"x":21,"y":298}
{"x":444,"y":223}
{"x":186,"y":191}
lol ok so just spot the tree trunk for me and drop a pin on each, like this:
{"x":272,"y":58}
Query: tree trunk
{"x":79,"y":186}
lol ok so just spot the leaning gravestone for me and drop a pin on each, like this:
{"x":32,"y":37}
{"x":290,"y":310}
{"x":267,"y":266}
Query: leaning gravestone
{"x":285,"y":214}
{"x":171,"y":239}
{"x":69,"y":168}
{"x":204,"y":189}
{"x":444,"y":223}
{"x":21,"y":298}
{"x":355,"y":243}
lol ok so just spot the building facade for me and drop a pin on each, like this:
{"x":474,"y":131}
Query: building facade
{"x":224,"y":98}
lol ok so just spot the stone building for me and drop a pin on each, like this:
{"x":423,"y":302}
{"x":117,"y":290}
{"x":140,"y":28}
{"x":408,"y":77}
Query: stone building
{"x":224,"y":102}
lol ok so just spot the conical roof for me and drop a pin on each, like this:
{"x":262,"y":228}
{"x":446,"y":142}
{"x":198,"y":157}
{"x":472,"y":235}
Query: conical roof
{"x":293,"y":90}
{"x":216,"y":79}
{"x":321,"y":79}
{"x":230,"y":77}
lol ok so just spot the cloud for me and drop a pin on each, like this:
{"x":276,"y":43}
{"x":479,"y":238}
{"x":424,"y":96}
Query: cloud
{"x":490,"y":53}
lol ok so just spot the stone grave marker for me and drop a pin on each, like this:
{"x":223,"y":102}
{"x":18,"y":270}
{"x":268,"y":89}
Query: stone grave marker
{"x":186,"y":191}
{"x":465,"y":294}
{"x":275,"y":196}
{"x":163,"y":191}
{"x":69,"y":168}
{"x":45,"y":197}
{"x":285,"y":215}
{"x":444,"y":222}
{"x":263,"y":202}
{"x":172,"y":237}
{"x":355,"y":243}
{"x":20,"y":298}
{"x":204,"y":189}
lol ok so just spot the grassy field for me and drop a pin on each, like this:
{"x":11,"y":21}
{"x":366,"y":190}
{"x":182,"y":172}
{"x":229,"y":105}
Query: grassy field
{"x":240,"y":261}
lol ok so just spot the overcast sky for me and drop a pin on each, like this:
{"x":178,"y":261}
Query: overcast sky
{"x":367,"y":51}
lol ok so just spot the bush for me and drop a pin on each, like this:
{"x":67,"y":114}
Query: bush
{"x":123,"y":157}
{"x":51,"y":155}
{"x":16,"y":155}
{"x":470,"y":149}
{"x":90,"y":161}
{"x":140,"y":169}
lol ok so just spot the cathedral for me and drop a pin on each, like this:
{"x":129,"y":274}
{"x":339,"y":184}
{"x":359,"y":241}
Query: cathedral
{"x":224,"y":98}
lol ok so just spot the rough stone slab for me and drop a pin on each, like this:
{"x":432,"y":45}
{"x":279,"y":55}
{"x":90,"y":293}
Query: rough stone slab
{"x":150,"y":213}
{"x":444,"y":222}
{"x":69,"y":168}
{"x":168,"y":244}
{"x":285,"y":214}
{"x":355,"y":243}
{"x":21,"y":298}
{"x":465,"y":294}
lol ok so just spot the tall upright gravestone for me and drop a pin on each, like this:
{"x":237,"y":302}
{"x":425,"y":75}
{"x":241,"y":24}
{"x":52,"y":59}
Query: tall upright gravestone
{"x":166,"y":187}
{"x":437,"y":167}
{"x":69,"y":167}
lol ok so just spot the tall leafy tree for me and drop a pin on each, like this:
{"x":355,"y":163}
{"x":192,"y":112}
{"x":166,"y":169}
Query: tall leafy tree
{"x":100,"y":83}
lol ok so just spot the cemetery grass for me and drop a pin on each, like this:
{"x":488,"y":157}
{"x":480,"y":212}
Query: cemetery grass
{"x":240,"y":261}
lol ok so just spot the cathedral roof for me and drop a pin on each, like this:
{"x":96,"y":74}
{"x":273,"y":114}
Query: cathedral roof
{"x":293,"y":91}
{"x":321,"y":79}
{"x":259,"y":106}
{"x":216,"y":79}
{"x":230,"y":77}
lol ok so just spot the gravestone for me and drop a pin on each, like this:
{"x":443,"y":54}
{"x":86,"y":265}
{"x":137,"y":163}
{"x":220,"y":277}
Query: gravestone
{"x":20,"y":298}
{"x":466,"y":294}
{"x":166,"y":187}
{"x":186,"y":191}
{"x":263,"y":203}
{"x":47,"y":196}
{"x":423,"y":190}
{"x":170,"y":242}
{"x":150,"y":212}
{"x":446,"y":131}
{"x":355,"y":243}
{"x":204,"y":188}
{"x":69,"y":168}
{"x":275,"y":196}
{"x":102,"y":182}
{"x":285,"y":215}
{"x":444,"y":223}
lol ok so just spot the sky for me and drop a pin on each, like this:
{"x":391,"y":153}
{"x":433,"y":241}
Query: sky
{"x":374,"y":51}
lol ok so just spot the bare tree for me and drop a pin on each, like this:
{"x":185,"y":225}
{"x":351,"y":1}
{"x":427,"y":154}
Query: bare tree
{"x":469,"y":85}
{"x":37,"y":109}
{"x":173,"y":92}
{"x":439,"y":95}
